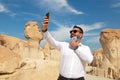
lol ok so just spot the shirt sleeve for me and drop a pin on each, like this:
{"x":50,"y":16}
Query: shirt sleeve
{"x":51,"y":40}
{"x":84,"y":53}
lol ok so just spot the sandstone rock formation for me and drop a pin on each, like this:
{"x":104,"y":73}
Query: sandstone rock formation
{"x":20,"y":59}
{"x":33,"y":34}
{"x":50,"y":53}
{"x":26,"y":60}
{"x":9,"y":61}
{"x":10,"y":41}
{"x":27,"y":49}
{"x":108,"y":57}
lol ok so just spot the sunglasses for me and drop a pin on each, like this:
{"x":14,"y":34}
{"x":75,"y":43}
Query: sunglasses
{"x":74,"y":31}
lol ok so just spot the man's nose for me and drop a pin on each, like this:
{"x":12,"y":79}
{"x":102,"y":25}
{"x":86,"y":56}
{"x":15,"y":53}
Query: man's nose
{"x":72,"y":32}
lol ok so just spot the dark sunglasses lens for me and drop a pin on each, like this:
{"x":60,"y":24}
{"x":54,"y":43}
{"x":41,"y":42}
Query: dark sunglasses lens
{"x":73,"y":31}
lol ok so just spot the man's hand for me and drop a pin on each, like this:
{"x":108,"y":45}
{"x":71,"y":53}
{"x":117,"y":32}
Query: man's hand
{"x":73,"y":44}
{"x":45,"y":24}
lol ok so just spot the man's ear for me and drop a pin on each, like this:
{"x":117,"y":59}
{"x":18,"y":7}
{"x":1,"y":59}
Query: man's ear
{"x":81,"y":35}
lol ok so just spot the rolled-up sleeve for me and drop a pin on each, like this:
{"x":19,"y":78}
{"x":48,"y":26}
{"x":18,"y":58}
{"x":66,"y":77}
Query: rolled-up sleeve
{"x":84,"y":53}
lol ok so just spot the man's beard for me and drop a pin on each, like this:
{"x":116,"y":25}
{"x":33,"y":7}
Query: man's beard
{"x":71,"y":36}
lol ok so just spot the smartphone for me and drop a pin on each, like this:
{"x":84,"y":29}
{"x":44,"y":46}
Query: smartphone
{"x":74,"y":38}
{"x":47,"y":14}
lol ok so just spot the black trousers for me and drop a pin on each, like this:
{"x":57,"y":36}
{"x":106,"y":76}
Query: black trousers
{"x":63,"y":78}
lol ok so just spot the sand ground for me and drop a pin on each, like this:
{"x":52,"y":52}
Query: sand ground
{"x":92,"y":77}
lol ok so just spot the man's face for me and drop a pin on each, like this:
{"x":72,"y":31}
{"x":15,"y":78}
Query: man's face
{"x":75,"y":32}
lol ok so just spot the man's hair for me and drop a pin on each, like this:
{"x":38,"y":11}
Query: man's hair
{"x":81,"y":30}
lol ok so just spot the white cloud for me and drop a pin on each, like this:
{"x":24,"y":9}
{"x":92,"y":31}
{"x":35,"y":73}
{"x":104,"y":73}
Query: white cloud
{"x":3,"y":9}
{"x":31,"y":14}
{"x":62,"y":32}
{"x":94,"y":26}
{"x":90,"y":38}
{"x":94,"y":40}
{"x":116,"y":5}
{"x":91,"y":34}
{"x":58,"y":5}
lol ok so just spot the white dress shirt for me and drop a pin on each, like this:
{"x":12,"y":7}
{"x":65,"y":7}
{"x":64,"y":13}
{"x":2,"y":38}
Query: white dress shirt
{"x":72,"y":62}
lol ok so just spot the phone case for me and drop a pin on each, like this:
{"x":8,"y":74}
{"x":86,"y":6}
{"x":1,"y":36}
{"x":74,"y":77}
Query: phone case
{"x":74,"y":38}
{"x":47,"y":14}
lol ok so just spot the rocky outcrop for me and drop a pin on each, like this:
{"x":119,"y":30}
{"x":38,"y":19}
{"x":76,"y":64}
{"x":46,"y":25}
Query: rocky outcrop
{"x":50,"y":52}
{"x":27,"y":49}
{"x":33,"y":34}
{"x":108,"y":57}
{"x":25,"y":59}
{"x":110,"y":41}
{"x":10,"y":41}
{"x":9,"y":61}
{"x":34,"y":69}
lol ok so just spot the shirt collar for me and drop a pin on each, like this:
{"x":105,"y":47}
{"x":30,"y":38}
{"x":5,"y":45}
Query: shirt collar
{"x":80,"y":44}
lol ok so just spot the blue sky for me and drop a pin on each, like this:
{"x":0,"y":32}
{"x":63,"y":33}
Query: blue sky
{"x":92,"y":15}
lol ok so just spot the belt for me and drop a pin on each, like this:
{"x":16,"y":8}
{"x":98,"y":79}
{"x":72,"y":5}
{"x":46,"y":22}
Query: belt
{"x":64,"y":78}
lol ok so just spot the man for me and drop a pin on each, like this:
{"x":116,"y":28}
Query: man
{"x":73,"y":55}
